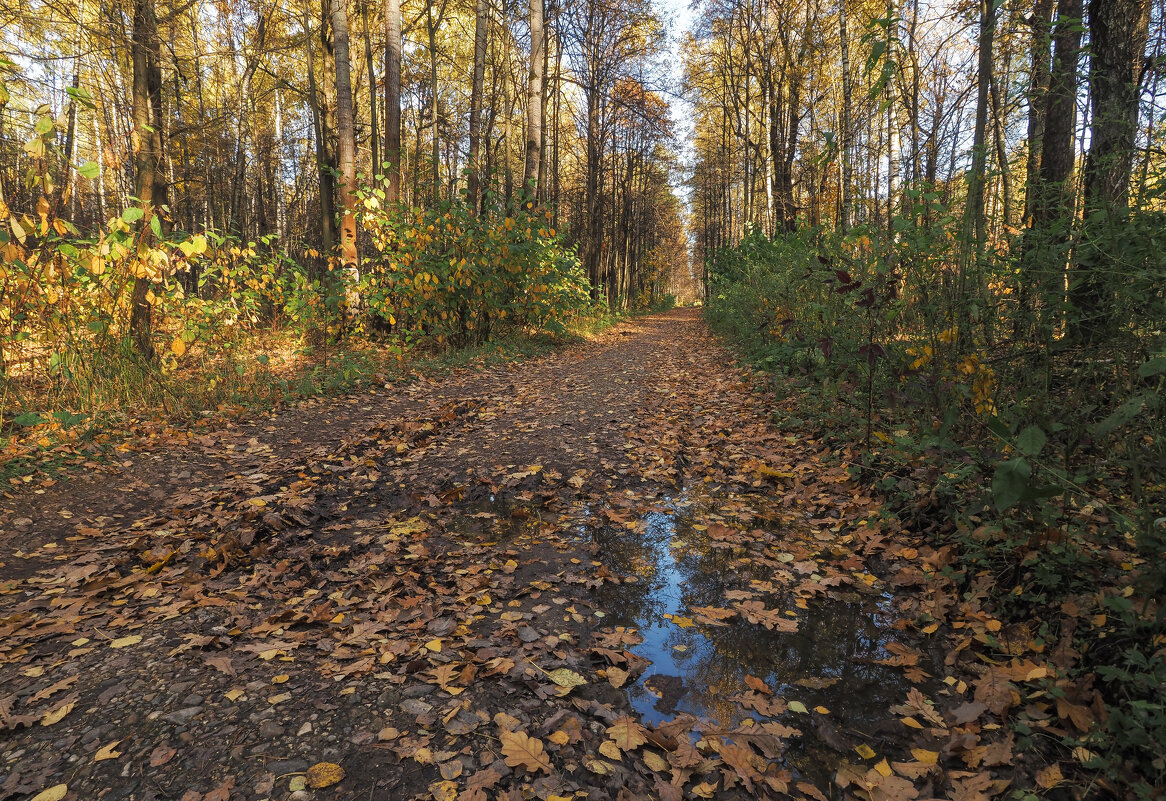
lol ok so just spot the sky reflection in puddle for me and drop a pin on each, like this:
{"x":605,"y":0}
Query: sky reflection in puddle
{"x":828,"y":662}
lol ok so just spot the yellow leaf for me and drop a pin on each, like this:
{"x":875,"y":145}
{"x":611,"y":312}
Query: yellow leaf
{"x":656,"y":762}
{"x":566,"y":678}
{"x":865,"y":751}
{"x":107,"y":752}
{"x":616,"y":676}
{"x":233,"y":695}
{"x":610,"y":750}
{"x":57,"y":715}
{"x":280,"y":679}
{"x":54,"y":793}
{"x":443,"y":790}
{"x":884,"y":769}
{"x":924,"y":756}
{"x":122,"y":642}
{"x":705,"y":790}
{"x":434,"y":645}
{"x":798,"y":706}
{"x":324,"y":774}
{"x":559,"y":737}
{"x":627,"y":734}
{"x":178,"y":347}
{"x":821,"y":710}
{"x":914,"y":724}
{"x":1049,"y":777}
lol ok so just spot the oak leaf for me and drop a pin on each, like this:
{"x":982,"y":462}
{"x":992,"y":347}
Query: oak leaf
{"x":627,"y":734}
{"x":520,"y":749}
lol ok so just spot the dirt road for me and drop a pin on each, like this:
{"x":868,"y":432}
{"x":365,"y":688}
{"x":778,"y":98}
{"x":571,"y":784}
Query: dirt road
{"x":430,"y":592}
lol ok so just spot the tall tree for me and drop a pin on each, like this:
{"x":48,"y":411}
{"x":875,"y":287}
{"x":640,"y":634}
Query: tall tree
{"x":345,"y":134}
{"x":149,"y":177}
{"x":481,"y":40}
{"x":534,"y":101}
{"x":392,"y":15}
{"x":1118,"y":32}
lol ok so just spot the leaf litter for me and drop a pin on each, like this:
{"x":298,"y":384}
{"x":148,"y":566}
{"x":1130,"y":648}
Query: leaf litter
{"x":452,"y":596}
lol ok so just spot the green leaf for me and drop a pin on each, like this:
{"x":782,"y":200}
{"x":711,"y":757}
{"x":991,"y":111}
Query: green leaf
{"x":1010,"y":482}
{"x":1153,"y":367}
{"x":1031,"y":441}
{"x":999,"y":428}
{"x":28,"y":419}
{"x":43,"y":126}
{"x":132,"y":214}
{"x":82,"y":96}
{"x":1122,"y":415}
{"x":89,"y":170}
{"x":156,"y":226}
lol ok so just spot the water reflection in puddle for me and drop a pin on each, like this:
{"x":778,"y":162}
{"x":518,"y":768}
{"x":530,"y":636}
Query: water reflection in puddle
{"x":829,"y":662}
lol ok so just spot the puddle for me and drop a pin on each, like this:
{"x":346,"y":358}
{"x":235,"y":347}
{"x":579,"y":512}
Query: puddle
{"x":493,"y":519}
{"x":830,"y":661}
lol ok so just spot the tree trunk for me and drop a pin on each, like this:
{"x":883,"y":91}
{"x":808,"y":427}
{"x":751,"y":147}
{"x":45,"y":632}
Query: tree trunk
{"x":149,"y":180}
{"x":435,"y":145}
{"x":323,"y":167}
{"x":375,"y":141}
{"x":534,"y":101}
{"x":844,"y":126}
{"x":481,"y":33}
{"x":976,"y":224}
{"x":1118,"y":31}
{"x":392,"y":13}
{"x":1038,"y":91}
{"x":346,"y":136}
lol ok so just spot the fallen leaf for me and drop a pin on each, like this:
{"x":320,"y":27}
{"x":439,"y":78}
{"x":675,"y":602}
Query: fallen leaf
{"x":443,"y":790}
{"x":324,"y":774}
{"x":520,"y":749}
{"x":58,"y":714}
{"x":123,"y":642}
{"x":566,"y":678}
{"x":1049,"y":777}
{"x":925,"y":756}
{"x":108,"y":752}
{"x":54,"y":793}
{"x":161,"y":755}
{"x":627,"y":734}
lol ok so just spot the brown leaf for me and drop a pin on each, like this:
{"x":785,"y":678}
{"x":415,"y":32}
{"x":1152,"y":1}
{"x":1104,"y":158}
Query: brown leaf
{"x":994,"y":691}
{"x":520,"y":749}
{"x":221,"y":663}
{"x":627,"y":734}
{"x":161,"y":755}
{"x":966,"y":713}
{"x":758,"y":685}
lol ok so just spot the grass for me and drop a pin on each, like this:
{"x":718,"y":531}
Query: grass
{"x":95,"y":403}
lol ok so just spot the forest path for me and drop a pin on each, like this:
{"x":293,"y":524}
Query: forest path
{"x":412,"y":584}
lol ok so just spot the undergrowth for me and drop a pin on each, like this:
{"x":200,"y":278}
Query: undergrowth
{"x":987,"y":426}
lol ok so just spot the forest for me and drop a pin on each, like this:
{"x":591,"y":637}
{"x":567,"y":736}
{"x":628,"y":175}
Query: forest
{"x":339,"y":360}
